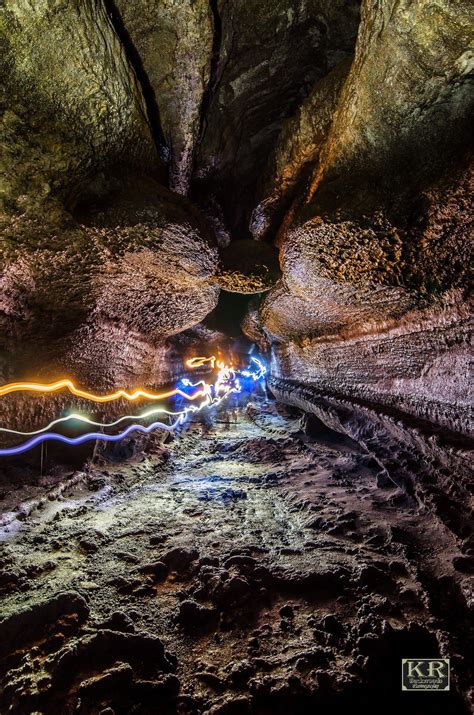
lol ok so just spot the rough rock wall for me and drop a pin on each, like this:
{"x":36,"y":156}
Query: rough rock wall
{"x":71,"y":104}
{"x":421,"y":462}
{"x":376,"y":246}
{"x":408,"y":94}
{"x":295,"y":155}
{"x":81,"y":296}
{"x":99,"y":264}
{"x":420,"y":365}
{"x":270,"y":55}
{"x":174,"y":41}
{"x":277,"y":122}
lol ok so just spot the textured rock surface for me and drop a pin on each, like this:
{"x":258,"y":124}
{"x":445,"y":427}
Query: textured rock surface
{"x":272,"y":564}
{"x":376,"y":247}
{"x":420,"y":365}
{"x":106,"y":291}
{"x":174,"y":42}
{"x":71,"y":102}
{"x":379,"y":312}
{"x":248,"y":267}
{"x":264,"y":71}
{"x":408,"y":96}
{"x":94,"y":296}
{"x":294,"y":158}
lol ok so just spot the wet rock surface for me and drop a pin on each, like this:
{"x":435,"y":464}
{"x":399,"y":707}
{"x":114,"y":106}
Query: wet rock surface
{"x":260,"y":565}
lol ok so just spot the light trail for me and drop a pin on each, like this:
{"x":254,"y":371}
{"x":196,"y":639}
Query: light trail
{"x":87,"y":420}
{"x":131,"y":396}
{"x":26,"y":446}
{"x":199,"y":361}
{"x":255,"y":375}
{"x":226,"y":382}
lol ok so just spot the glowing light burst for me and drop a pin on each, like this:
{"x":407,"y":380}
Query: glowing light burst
{"x":226,"y":382}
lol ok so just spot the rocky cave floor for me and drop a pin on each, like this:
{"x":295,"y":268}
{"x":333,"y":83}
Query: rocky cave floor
{"x":243,"y":569}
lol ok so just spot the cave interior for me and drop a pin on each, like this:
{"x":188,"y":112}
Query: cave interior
{"x":279,"y":187}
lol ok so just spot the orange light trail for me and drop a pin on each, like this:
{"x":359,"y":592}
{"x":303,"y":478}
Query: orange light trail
{"x":131,"y":396}
{"x":227,"y":381}
{"x":199,"y":361}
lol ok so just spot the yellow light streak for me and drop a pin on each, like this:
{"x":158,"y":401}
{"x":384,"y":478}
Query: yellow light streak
{"x":68,"y":384}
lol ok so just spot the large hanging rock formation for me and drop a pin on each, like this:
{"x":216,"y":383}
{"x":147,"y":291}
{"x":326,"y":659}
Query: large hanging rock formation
{"x":174,"y":42}
{"x":91,"y":293}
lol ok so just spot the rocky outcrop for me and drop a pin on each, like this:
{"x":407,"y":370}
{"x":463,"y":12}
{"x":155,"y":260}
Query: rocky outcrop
{"x":375,"y":249}
{"x":419,"y":365}
{"x":248,"y":267}
{"x":105,"y":291}
{"x":99,"y":263}
{"x":279,"y":122}
{"x":263,"y":72}
{"x":71,"y":102}
{"x":405,"y":106}
{"x":295,"y":156}
{"x":174,"y":44}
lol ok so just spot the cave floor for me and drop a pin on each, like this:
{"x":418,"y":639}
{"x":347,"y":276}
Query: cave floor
{"x":244,"y":568}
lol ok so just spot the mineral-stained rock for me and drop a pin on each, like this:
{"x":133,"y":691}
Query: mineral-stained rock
{"x":419,"y":365}
{"x":71,"y":102}
{"x":263,"y":72}
{"x":378,"y":311}
{"x":97,"y":296}
{"x":174,"y":41}
{"x":353,"y":269}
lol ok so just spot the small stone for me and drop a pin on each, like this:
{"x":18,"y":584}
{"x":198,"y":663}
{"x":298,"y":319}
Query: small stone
{"x":193,"y":615}
{"x":180,"y":559}
{"x":286,"y":611}
{"x":157,"y":569}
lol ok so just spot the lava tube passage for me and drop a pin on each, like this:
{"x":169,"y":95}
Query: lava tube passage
{"x":236,"y":308}
{"x":196,"y":397}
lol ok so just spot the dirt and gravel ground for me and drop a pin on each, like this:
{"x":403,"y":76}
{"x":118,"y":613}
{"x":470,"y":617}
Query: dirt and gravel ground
{"x":248,"y":568}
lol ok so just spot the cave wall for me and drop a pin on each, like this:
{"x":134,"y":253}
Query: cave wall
{"x":100,"y":262}
{"x":269,"y":56}
{"x":376,"y":241}
{"x":145,"y":140}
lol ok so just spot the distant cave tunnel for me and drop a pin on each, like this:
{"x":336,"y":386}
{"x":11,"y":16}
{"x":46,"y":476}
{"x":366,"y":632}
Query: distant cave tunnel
{"x":235,"y":330}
